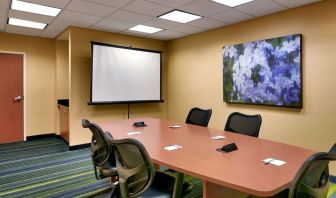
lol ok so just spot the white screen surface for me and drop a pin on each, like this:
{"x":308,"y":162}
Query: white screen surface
{"x":125,"y":74}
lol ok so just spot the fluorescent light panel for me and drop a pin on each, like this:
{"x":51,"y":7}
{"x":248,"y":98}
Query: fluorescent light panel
{"x":179,"y":16}
{"x":145,"y":29}
{"x":25,"y":23}
{"x":34,"y":8}
{"x":232,"y":3}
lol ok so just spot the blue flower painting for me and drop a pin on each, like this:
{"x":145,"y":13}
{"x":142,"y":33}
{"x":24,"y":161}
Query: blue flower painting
{"x":266,"y":72}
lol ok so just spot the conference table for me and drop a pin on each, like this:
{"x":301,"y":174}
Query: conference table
{"x":234,"y":174}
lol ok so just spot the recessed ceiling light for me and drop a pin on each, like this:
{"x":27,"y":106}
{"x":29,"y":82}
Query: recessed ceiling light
{"x":179,"y":16}
{"x":34,"y":8}
{"x":145,"y":29}
{"x":24,"y":23}
{"x":232,"y":3}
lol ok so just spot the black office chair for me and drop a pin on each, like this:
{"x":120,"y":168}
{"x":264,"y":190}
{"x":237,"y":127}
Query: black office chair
{"x":312,"y":179}
{"x":102,"y":155}
{"x":200,"y":117}
{"x":243,"y":124}
{"x":137,"y":175}
{"x":333,"y":149}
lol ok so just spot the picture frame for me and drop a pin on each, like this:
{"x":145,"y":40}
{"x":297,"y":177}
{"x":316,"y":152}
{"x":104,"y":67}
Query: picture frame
{"x":264,"y":72}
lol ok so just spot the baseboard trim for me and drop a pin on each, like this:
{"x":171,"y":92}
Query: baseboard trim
{"x":332,"y":178}
{"x":36,"y":137}
{"x":79,"y":146}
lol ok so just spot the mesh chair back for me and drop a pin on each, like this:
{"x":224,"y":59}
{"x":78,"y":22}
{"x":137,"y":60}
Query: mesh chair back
{"x":199,"y":117}
{"x":135,"y":169}
{"x":102,"y":154}
{"x":243,"y":124}
{"x":333,"y":149}
{"x":312,"y":179}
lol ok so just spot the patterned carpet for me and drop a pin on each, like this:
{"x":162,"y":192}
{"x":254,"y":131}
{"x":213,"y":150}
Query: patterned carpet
{"x":45,"y":168}
{"x":332,"y":191}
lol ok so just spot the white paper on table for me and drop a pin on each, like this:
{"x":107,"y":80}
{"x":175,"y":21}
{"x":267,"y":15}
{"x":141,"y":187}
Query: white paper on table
{"x":174,"y":126}
{"x":172,"y":147}
{"x":274,"y":161}
{"x":133,"y":133}
{"x":218,"y":137}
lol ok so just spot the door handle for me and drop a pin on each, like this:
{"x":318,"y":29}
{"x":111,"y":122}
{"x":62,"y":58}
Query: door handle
{"x":17,"y":98}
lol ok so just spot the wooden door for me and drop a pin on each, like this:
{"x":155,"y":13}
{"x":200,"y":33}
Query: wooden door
{"x":11,"y":97}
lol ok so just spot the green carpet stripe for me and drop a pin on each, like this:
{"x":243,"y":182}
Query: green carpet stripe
{"x":86,"y":190}
{"x":51,"y":185}
{"x":30,"y":153}
{"x":19,"y":165}
{"x":19,"y":176}
{"x":332,"y":190}
{"x":60,"y":186}
{"x":91,"y":192}
{"x":35,"y":146}
{"x":45,"y":168}
{"x":24,"y":144}
{"x":43,"y":178}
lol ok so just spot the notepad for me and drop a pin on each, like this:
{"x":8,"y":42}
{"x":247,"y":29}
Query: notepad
{"x":175,"y":126}
{"x":274,"y":161}
{"x":172,"y":147}
{"x":218,"y":137}
{"x":133,"y":133}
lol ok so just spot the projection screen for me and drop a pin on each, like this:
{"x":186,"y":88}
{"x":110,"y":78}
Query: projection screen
{"x":124,"y":74}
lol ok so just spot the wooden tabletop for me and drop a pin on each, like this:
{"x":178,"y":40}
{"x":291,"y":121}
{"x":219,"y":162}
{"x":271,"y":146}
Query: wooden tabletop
{"x":241,"y":170}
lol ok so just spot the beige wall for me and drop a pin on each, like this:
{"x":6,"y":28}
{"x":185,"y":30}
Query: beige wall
{"x":62,"y":75}
{"x":80,"y":82}
{"x":195,"y":75}
{"x":192,"y":76}
{"x":62,"y":69}
{"x":40,"y":80}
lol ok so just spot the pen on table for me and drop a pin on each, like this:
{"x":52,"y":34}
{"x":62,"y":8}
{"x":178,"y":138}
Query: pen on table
{"x":269,"y":161}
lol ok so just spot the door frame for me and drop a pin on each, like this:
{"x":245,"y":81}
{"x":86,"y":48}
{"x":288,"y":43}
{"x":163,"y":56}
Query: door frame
{"x":24,"y":91}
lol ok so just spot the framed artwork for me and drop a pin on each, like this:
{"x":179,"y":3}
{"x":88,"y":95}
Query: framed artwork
{"x":265,"y":72}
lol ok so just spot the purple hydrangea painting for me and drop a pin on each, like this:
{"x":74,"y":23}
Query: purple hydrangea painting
{"x":266,"y":72}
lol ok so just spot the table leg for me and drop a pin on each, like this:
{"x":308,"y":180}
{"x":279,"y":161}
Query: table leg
{"x":211,"y":190}
{"x":178,"y":185}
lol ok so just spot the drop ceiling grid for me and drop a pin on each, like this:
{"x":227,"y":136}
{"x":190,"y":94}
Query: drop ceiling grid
{"x":119,"y":15}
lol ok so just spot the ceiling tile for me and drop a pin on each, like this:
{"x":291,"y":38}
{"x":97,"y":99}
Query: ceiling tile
{"x":161,"y":23}
{"x":2,"y":27}
{"x":76,"y":16}
{"x":115,"y":24}
{"x":129,"y":16}
{"x":49,"y":35}
{"x":135,"y":33}
{"x":162,"y":38}
{"x":4,"y":4}
{"x":3,"y":20}
{"x":204,"y":8}
{"x":112,"y":3}
{"x":52,"y":3}
{"x":260,"y":7}
{"x":295,"y":3}
{"x":107,"y":28}
{"x":22,"y":30}
{"x":147,"y":8}
{"x":52,"y":31}
{"x":231,"y":16}
{"x":64,"y":23}
{"x":172,"y":3}
{"x":207,"y":23}
{"x":3,"y":12}
{"x":187,"y":29}
{"x":90,"y":8}
{"x":54,"y":28}
{"x":30,"y":16}
{"x":2,"y":24}
{"x":170,"y":34}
